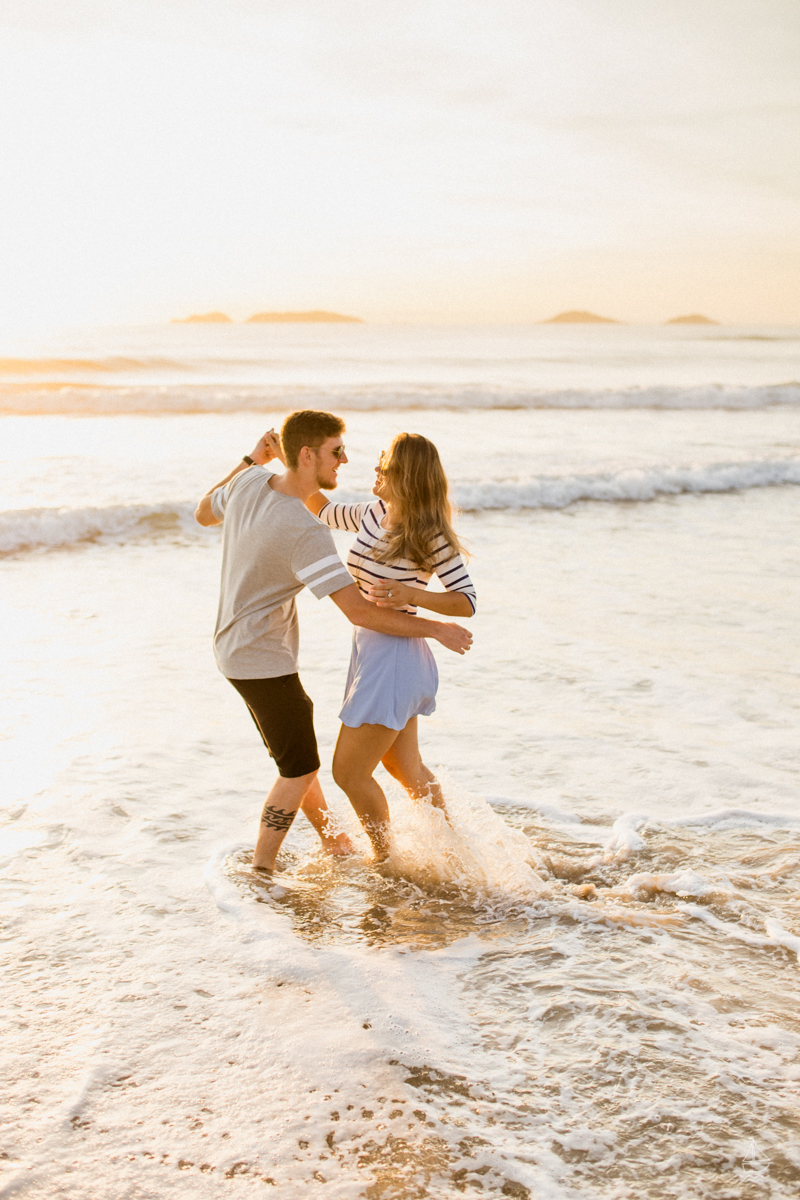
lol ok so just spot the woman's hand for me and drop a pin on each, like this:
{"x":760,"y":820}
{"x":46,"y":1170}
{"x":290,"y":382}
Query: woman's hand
{"x":267,"y":448}
{"x":387,"y":594}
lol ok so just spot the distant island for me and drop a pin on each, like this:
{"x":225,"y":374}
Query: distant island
{"x":692,"y":319}
{"x":578,"y":317}
{"x":212,"y":318}
{"x":317,"y":316}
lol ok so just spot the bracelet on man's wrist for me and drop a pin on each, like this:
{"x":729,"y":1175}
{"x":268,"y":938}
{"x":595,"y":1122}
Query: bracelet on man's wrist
{"x":251,"y":462}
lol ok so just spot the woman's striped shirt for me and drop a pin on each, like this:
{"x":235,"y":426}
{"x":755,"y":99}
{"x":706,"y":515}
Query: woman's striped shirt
{"x":365,"y":521}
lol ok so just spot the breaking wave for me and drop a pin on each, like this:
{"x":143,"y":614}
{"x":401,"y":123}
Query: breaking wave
{"x":53,"y":397}
{"x":641,"y":484}
{"x":51,"y":528}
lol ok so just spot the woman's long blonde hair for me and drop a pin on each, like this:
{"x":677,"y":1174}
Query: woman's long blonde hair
{"x":420,"y":503}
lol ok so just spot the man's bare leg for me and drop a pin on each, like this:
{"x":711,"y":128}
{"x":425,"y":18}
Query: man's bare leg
{"x":358,"y":752}
{"x":280,"y":809}
{"x":316,"y":810}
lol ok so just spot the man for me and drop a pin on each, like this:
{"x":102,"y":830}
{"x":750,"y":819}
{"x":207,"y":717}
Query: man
{"x":272,"y":548}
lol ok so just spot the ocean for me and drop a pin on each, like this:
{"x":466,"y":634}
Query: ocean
{"x":586,"y":986}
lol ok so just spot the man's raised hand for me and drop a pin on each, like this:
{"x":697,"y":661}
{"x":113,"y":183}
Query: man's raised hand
{"x":267,"y":447}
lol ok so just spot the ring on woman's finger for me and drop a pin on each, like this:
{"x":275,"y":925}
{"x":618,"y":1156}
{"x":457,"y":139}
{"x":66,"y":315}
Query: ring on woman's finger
{"x":388,"y":594}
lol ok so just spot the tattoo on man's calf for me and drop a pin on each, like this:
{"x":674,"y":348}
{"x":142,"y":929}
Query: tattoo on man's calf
{"x":277,"y":818}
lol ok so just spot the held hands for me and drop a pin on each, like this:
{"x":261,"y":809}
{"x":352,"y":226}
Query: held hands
{"x":388,"y":594}
{"x":267,"y":448}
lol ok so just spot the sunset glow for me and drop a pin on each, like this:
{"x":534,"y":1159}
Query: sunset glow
{"x":400,"y":162}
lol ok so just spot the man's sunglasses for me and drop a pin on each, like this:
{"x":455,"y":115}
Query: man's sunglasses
{"x":336,"y":451}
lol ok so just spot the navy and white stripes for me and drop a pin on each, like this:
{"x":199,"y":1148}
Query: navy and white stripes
{"x":365,"y":521}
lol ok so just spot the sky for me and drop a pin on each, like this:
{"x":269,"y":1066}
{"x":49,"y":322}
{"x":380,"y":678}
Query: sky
{"x":419,"y":160}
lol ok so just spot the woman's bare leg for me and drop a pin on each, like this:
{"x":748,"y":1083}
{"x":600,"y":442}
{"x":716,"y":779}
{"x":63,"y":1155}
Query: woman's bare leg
{"x":358,"y":752}
{"x":404,"y":762}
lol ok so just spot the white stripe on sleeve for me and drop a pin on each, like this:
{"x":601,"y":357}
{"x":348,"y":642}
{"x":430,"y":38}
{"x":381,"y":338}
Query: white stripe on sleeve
{"x":307,"y":572}
{"x":341,"y":570}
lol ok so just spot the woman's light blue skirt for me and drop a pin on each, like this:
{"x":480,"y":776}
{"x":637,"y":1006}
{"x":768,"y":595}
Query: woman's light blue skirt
{"x":391,"y":680}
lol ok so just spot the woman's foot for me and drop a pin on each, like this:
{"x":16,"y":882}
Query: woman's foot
{"x":379,"y":834}
{"x":338,"y":847}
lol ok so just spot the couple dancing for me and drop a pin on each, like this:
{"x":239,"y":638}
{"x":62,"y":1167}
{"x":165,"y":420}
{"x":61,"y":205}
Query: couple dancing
{"x":277,"y":542}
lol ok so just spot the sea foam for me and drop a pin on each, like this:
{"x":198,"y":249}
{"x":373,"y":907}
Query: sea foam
{"x":640,"y":484}
{"x":54,"y":528}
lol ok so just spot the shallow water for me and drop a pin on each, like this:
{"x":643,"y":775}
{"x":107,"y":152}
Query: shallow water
{"x":584,"y":985}
{"x":645,"y":1036}
{"x":642,"y":1038}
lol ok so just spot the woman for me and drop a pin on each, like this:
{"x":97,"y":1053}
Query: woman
{"x":403,"y":538}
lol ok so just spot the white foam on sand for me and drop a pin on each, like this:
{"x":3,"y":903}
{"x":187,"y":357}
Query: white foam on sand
{"x":736,"y":818}
{"x":685,"y":882}
{"x":293,"y":1059}
{"x":421,"y":1012}
{"x":388,"y":990}
{"x":628,"y":831}
{"x":378,"y":1009}
{"x":776,"y":936}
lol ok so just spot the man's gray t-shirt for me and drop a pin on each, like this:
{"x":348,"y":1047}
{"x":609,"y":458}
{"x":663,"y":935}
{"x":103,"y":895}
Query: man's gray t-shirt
{"x":272,"y":548}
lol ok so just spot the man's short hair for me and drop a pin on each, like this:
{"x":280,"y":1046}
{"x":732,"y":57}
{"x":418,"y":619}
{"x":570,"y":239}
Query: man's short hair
{"x":307,"y":428}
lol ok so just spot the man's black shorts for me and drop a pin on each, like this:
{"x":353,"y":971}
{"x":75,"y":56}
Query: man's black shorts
{"x":284,"y":716}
